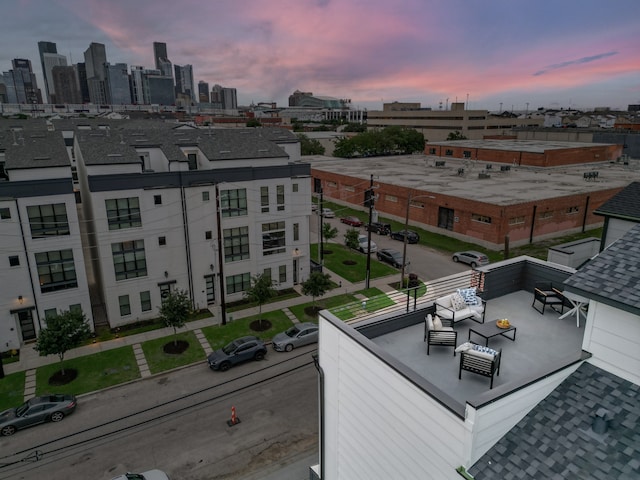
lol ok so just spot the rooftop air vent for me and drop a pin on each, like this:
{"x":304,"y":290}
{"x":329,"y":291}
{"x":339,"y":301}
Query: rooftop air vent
{"x":225,"y":151}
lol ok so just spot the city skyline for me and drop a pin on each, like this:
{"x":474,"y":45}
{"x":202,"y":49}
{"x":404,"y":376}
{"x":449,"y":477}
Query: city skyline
{"x":501,"y":55}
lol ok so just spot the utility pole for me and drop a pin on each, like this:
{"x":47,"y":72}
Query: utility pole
{"x":404,"y":246}
{"x":223,"y":307}
{"x":369,"y":200}
{"x":320,"y":227}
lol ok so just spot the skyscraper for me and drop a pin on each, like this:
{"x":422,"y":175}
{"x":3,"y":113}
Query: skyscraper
{"x":162,"y":59}
{"x":224,"y":98}
{"x":117,"y":84}
{"x":184,"y":81}
{"x":95,"y":58}
{"x":50,"y":48}
{"x":21,"y":84}
{"x":203,"y":92}
{"x":65,"y":82}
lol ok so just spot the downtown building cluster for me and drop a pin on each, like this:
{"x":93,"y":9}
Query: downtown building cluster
{"x":107,"y":217}
{"x":99,"y":82}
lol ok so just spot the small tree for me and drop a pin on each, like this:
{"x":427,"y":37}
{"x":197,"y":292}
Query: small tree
{"x":175,"y":310}
{"x":260,"y":291}
{"x":254,"y":122}
{"x":63,"y":332}
{"x":316,"y":285}
{"x":310,"y":146}
{"x":351,"y":238}
{"x":456,"y":135}
{"x":329,"y":232}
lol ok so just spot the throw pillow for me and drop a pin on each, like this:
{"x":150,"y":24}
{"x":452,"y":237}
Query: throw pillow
{"x":480,"y":348}
{"x":437,"y":323}
{"x":430,"y":325}
{"x":469,"y":295}
{"x":457,"y":302}
{"x":478,"y":354}
{"x":464,"y":347}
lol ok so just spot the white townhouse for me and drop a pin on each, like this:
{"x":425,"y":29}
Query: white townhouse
{"x":189,"y":209}
{"x":42,"y":263}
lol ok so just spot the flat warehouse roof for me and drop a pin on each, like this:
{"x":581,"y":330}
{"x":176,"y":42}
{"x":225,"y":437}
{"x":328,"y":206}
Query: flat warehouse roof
{"x":519,"y":184}
{"x":531,"y":146}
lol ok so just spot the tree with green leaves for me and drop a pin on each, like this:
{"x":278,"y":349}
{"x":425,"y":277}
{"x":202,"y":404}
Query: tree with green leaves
{"x":310,"y":146}
{"x":253,"y":122}
{"x":316,"y":285}
{"x":351,"y":238}
{"x":64,"y":331}
{"x":457,"y":135}
{"x":260,"y":291}
{"x":176,"y":308}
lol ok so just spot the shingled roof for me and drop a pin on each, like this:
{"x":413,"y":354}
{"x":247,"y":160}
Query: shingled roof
{"x":556,"y":440}
{"x":612,"y":277}
{"x":624,"y":205}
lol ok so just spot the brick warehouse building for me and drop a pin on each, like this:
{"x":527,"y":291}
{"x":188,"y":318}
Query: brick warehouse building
{"x":465,"y":200}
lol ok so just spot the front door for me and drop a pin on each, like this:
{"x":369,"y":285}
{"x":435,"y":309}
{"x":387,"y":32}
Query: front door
{"x":445,"y":218}
{"x":28,"y":331}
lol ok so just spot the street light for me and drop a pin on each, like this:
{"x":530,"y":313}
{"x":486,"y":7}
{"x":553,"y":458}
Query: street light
{"x":406,"y":229}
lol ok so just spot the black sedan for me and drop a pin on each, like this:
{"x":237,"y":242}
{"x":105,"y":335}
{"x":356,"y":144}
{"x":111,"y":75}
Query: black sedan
{"x":380,"y":228}
{"x":390,"y":256}
{"x":239,"y":350}
{"x":47,"y":408}
{"x":412,"y":237}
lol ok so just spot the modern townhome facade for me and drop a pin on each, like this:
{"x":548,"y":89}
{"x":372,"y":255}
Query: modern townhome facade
{"x":110,"y":216}
{"x":563,"y":403}
{"x":191,"y":210}
{"x":43,"y":270}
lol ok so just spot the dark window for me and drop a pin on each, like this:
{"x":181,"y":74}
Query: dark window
{"x":192,"y":158}
{"x":233,"y":203}
{"x":296,"y":232}
{"x":14,"y":261}
{"x":282,"y":273}
{"x":5,"y":213}
{"x":48,"y":220}
{"x":236,"y":244}
{"x":294,"y":188}
{"x":264,"y":199}
{"x":208,"y":235}
{"x":211,"y":292}
{"x":129,"y":259}
{"x":123,"y":213}
{"x":162,"y":241}
{"x":125,"y":306}
{"x":205,"y":196}
{"x":238,"y":283}
{"x":448,"y":152}
{"x":157,"y":199}
{"x":145,"y":301}
{"x":273,"y":238}
{"x":280,"y":197}
{"x":56,"y":270}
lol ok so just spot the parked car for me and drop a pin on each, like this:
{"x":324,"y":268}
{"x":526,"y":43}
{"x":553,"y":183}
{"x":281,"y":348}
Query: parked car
{"x":391,"y":256}
{"x":471,"y":257}
{"x":314,"y":207}
{"x":239,"y":350}
{"x":328,"y":213}
{"x":380,"y":228}
{"x":363,"y":244}
{"x":148,"y":475}
{"x":296,"y":336}
{"x":412,"y":237}
{"x":46,"y":408}
{"x":353,"y":221}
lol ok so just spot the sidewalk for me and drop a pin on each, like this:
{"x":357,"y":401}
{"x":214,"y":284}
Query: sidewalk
{"x":30,"y":359}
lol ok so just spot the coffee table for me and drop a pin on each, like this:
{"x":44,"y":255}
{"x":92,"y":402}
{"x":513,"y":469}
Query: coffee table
{"x":490,"y":329}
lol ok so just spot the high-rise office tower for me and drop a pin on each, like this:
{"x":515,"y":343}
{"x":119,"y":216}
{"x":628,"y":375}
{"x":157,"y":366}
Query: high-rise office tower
{"x":162,"y":59}
{"x":81,"y":70}
{"x":117,"y":84}
{"x":224,"y":98}
{"x":95,"y":58}
{"x":65,"y":82}
{"x":184,"y":81}
{"x":203,"y":92}
{"x":48,"y":48}
{"x":21,"y":83}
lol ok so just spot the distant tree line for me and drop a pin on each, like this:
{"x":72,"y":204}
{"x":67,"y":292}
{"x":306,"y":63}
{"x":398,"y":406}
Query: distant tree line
{"x":392,"y":140}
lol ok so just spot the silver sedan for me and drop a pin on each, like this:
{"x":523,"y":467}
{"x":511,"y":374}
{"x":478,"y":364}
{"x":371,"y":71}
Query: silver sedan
{"x":296,"y":336}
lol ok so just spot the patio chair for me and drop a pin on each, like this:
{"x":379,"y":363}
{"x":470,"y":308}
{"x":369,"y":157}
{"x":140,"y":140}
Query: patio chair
{"x":442,"y":336}
{"x":546,"y":294}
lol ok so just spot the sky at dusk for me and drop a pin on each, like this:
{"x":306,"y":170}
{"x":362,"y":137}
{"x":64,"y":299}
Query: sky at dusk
{"x":561,"y":53}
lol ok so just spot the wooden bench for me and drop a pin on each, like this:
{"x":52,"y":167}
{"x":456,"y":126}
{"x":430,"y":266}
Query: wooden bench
{"x":472,"y":361}
{"x":547,"y":294}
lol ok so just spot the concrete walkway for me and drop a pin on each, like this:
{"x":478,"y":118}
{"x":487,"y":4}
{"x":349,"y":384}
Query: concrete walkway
{"x":30,"y":360}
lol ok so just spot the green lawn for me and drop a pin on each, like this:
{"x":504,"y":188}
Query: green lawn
{"x":219,"y":335}
{"x":376,"y":300}
{"x":324,"y":303}
{"x":285,"y":295}
{"x":159,"y":361}
{"x":11,"y":390}
{"x":354,"y":273}
{"x":95,"y":372}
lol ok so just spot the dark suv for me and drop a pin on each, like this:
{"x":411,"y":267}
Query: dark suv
{"x":412,"y":237}
{"x":380,"y":228}
{"x":240,"y":350}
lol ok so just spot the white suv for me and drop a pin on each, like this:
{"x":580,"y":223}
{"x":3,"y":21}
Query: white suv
{"x":362,"y":244}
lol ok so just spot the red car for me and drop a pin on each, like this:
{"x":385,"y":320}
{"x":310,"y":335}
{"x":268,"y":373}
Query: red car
{"x":353,"y":221}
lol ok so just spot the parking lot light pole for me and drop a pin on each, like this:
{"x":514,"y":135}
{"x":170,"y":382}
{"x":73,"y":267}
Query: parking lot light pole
{"x":369,"y":199}
{"x":406,"y":230}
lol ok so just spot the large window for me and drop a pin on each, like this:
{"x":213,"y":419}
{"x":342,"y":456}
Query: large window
{"x":236,"y":244}
{"x":48,"y":220}
{"x":273,"y":238}
{"x":123,"y":213}
{"x":282,"y":274}
{"x":125,"y":305}
{"x":129,"y":259}
{"x":145,"y":301}
{"x":56,"y":270}
{"x":238,"y":283}
{"x":280,"y":197}
{"x":233,"y":203}
{"x":264,"y":199}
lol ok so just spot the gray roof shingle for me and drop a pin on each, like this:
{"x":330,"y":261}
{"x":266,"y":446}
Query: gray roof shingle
{"x":625,"y":204}
{"x":613,"y":276}
{"x":556,"y":441}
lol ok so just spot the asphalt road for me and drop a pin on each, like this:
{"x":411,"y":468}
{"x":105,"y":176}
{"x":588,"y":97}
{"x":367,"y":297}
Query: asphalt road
{"x":428,"y":263}
{"x":177,"y":422}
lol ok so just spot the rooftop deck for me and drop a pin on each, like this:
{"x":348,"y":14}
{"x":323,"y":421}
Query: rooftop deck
{"x":543,"y":344}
